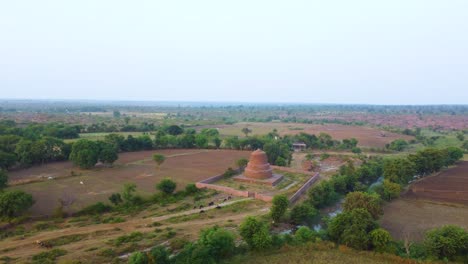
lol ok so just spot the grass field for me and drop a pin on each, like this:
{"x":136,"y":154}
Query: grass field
{"x":183,"y":166}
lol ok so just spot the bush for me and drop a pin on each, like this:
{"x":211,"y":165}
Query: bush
{"x":95,"y":209}
{"x":390,"y":190}
{"x":322,"y":194}
{"x":138,"y":258}
{"x":447,"y":242}
{"x":48,"y":256}
{"x":166,"y":186}
{"x":303,"y":214}
{"x":159,"y":255}
{"x":14,"y":203}
{"x":255,"y":234}
{"x":380,"y":239}
{"x":279,"y":207}
{"x":191,"y":188}
{"x":304,"y":234}
{"x":219,"y":242}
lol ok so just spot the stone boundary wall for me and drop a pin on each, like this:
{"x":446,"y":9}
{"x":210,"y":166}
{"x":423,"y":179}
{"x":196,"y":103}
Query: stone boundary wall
{"x":216,"y":178}
{"x":304,"y":188}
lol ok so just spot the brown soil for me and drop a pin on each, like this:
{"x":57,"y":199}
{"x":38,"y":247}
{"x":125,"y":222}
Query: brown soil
{"x":448,"y":186}
{"x":183,"y":166}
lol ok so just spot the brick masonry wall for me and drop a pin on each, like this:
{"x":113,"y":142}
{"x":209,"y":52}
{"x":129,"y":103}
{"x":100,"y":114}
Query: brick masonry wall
{"x":304,"y":188}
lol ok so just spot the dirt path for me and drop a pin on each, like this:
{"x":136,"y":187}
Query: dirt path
{"x":100,"y":233}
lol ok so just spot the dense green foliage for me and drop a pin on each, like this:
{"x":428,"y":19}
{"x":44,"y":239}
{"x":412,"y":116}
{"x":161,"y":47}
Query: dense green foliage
{"x":447,"y":242}
{"x":255,"y":233}
{"x":279,"y":207}
{"x":167,"y":186}
{"x":369,"y":202}
{"x":3,"y":179}
{"x":14,"y":203}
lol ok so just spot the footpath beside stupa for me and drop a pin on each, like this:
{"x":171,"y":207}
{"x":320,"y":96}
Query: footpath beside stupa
{"x":259,"y":171}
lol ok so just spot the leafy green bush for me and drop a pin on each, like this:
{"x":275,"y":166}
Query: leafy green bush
{"x":279,"y":207}
{"x":166,"y":186}
{"x":95,"y":209}
{"x":447,"y":242}
{"x":255,"y":234}
{"x":303,"y":214}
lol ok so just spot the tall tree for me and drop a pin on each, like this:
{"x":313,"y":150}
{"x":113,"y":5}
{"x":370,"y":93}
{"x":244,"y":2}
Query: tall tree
{"x":279,"y":207}
{"x":14,"y":203}
{"x":84,"y":153}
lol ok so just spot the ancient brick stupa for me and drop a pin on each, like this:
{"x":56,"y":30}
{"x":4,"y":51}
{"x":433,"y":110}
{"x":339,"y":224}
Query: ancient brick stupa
{"x":258,"y":166}
{"x":258,"y":170}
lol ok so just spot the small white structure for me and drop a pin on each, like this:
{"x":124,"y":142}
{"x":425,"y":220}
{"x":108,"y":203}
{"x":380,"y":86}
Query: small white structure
{"x":299,"y":146}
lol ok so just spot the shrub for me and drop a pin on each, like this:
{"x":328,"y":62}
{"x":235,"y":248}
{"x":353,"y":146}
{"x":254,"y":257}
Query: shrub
{"x":48,"y":256}
{"x":255,"y":233}
{"x":380,"y":239}
{"x":219,"y":242}
{"x":390,"y":190}
{"x":95,"y":209}
{"x":279,"y":207}
{"x":322,"y":194}
{"x":304,"y":234}
{"x":166,"y":186}
{"x":191,"y":188}
{"x":159,"y":255}
{"x":138,"y":258}
{"x":115,"y":198}
{"x":303,"y":214}
{"x":14,"y":203}
{"x":132,"y":237}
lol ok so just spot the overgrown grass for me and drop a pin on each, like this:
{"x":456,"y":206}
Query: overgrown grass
{"x":64,"y":240}
{"x":323,"y":252}
{"x":48,"y":256}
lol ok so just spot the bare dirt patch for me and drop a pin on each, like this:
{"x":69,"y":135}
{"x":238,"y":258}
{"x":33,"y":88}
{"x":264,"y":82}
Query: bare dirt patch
{"x":448,"y":186}
{"x":183,"y":166}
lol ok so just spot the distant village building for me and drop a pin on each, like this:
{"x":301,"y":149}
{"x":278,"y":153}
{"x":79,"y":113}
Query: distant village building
{"x":299,"y":146}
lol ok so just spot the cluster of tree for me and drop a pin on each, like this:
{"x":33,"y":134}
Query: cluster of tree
{"x":403,"y":170}
{"x":22,"y":151}
{"x":397,"y":145}
{"x":36,"y":131}
{"x":86,"y":153}
{"x":325,"y":141}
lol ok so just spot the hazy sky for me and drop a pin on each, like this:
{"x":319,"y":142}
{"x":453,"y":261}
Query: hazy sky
{"x":328,"y":51}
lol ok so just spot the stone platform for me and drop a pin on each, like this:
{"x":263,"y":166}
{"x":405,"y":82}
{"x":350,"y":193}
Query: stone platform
{"x":271,"y":181}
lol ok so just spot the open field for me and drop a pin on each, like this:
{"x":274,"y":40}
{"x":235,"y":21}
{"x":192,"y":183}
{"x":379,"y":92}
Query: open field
{"x":367,"y":136}
{"x":432,"y":202}
{"x":410,"y":218}
{"x":448,"y":186}
{"x":183,"y":166}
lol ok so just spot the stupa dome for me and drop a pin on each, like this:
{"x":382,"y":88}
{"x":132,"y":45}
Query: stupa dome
{"x":258,"y":166}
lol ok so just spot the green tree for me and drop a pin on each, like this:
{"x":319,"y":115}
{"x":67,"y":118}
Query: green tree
{"x":128,"y":193}
{"x":218,"y":241}
{"x":138,"y":258}
{"x":246,"y":131}
{"x":465,"y":146}
{"x":447,"y":242}
{"x":159,"y":159}
{"x":242,"y":163}
{"x":7,"y":160}
{"x":452,"y":155}
{"x":115,"y":198}
{"x":84,"y":153}
{"x":107,"y":153}
{"x":461,"y":136}
{"x":303,"y":214}
{"x":217,"y":141}
{"x":167,"y":186}
{"x":368,"y":202}
{"x":381,"y":239}
{"x":390,"y":190}
{"x":255,"y":233}
{"x":14,"y":203}
{"x":279,"y":207}
{"x":322,"y":194}
{"x":116,"y":140}
{"x":116,"y":114}
{"x":201,"y":141}
{"x":174,"y":130}
{"x":3,"y":179}
{"x":352,"y":228}
{"x":399,"y":170}
{"x":398,"y":145}
{"x":191,"y":188}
